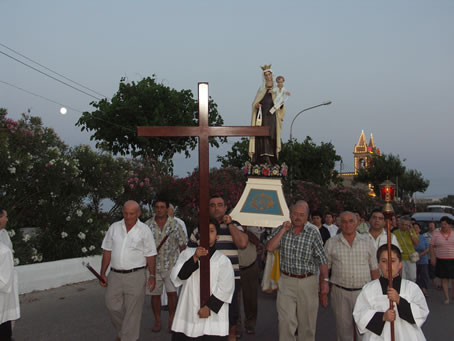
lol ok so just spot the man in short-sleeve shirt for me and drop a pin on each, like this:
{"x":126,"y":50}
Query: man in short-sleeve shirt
{"x":301,"y":257}
{"x":353,"y":263}
{"x":129,"y":248}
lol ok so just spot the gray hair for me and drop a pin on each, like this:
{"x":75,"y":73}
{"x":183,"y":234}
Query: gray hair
{"x":405,"y":218}
{"x":132,"y":202}
{"x":300,"y":203}
{"x":343,"y":214}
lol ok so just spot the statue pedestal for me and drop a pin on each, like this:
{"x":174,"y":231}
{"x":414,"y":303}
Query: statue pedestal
{"x":262,"y":203}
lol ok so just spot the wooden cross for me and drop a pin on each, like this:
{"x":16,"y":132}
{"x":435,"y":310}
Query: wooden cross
{"x":203,"y":132}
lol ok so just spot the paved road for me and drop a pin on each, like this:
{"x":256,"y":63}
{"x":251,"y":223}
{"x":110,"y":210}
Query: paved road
{"x":77,"y":312}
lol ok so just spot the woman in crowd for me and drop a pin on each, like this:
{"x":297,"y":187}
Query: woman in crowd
{"x":442,"y":255}
{"x":422,"y":266}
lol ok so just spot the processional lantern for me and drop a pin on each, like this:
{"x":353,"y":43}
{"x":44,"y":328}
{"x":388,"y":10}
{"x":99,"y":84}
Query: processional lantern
{"x":387,"y":193}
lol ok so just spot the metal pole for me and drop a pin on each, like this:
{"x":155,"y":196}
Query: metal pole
{"x":315,"y":106}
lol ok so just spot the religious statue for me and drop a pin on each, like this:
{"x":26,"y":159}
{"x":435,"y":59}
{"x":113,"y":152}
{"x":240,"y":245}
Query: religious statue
{"x":268,"y":110}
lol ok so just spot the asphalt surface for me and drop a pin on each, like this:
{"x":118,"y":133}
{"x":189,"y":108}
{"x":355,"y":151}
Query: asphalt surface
{"x":77,"y":312}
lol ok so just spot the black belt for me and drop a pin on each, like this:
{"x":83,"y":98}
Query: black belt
{"x":348,"y":289}
{"x":247,"y":267}
{"x":297,"y":276}
{"x":127,"y":271}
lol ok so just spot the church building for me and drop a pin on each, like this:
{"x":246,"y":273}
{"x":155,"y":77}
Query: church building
{"x":362,"y":153}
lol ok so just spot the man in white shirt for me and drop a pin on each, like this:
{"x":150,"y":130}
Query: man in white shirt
{"x":377,"y":231}
{"x":129,"y":248}
{"x":329,"y":224}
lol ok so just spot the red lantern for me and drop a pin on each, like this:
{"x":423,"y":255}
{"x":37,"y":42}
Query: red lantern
{"x":387,"y":191}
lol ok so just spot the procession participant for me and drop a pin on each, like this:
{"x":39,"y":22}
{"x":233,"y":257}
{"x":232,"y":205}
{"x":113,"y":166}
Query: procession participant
{"x":249,"y":280}
{"x":377,"y":230}
{"x":9,"y":293}
{"x":328,"y":223}
{"x":231,"y":238}
{"x":210,"y":322}
{"x":170,"y":235}
{"x":301,"y":256}
{"x":352,"y":261}
{"x":428,"y":235}
{"x":128,"y":248}
{"x":442,"y":255}
{"x":4,"y":236}
{"x":317,"y":221}
{"x":372,"y":313}
{"x":407,"y":238}
{"x":422,"y":265}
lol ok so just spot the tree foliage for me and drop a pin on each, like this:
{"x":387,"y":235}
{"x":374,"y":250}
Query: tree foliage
{"x":310,"y":162}
{"x":236,"y":157}
{"x":306,"y":161}
{"x":145,"y":103}
{"x":390,"y":167}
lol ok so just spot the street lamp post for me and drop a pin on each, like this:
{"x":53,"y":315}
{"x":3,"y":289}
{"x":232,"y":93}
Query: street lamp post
{"x":315,"y":106}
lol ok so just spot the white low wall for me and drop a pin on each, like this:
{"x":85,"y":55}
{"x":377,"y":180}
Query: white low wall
{"x":43,"y":276}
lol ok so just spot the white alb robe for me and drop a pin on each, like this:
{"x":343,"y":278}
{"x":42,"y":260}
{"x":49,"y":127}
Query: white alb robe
{"x":222,"y":284}
{"x":372,"y":300}
{"x":9,"y":298}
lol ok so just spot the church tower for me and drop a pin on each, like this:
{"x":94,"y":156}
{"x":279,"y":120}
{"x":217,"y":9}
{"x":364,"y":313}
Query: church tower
{"x":363,"y":152}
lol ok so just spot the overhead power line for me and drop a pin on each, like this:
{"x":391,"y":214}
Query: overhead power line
{"x":63,"y":105}
{"x":45,"y":98}
{"x":48,"y":69}
{"x":58,"y":80}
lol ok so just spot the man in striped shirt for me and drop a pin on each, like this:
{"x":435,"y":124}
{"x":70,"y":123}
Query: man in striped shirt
{"x":231,"y":237}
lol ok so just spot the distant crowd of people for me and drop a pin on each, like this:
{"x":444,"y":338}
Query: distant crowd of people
{"x":311,"y":260}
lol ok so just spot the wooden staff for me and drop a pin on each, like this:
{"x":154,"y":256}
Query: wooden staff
{"x":93,"y":271}
{"x":388,"y":216}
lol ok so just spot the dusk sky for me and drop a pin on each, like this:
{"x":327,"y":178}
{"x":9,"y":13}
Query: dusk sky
{"x":387,"y":66}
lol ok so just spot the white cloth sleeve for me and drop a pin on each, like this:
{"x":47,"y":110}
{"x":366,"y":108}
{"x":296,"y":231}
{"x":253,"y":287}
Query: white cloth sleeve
{"x":182,"y":258}
{"x":225,"y":284}
{"x":363,"y":311}
{"x":417,"y":302}
{"x":6,"y":269}
{"x":149,"y":244}
{"x":107,"y":241}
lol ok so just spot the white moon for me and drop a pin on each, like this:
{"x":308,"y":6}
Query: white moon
{"x":63,"y":110}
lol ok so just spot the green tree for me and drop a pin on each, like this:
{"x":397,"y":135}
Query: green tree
{"x":145,"y":103}
{"x":307,"y":161}
{"x":238,"y":156}
{"x":411,"y":182}
{"x":310,"y":162}
{"x":382,"y":167}
{"x":390,"y":167}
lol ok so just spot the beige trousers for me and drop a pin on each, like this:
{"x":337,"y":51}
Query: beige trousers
{"x":124,"y":299}
{"x":342,"y":303}
{"x":297,"y":308}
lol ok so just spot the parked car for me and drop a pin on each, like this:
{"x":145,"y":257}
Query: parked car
{"x":440,"y":208}
{"x":423,"y":218}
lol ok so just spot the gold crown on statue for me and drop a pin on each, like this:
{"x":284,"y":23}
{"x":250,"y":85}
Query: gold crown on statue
{"x":266,"y":67}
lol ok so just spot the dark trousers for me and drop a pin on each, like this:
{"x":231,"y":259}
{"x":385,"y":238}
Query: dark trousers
{"x":422,"y":275}
{"x":183,"y":337}
{"x":5,"y":331}
{"x":233,"y":307}
{"x":249,"y":292}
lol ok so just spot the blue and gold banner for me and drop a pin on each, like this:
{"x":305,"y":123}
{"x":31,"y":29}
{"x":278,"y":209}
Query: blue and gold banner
{"x":262,"y":201}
